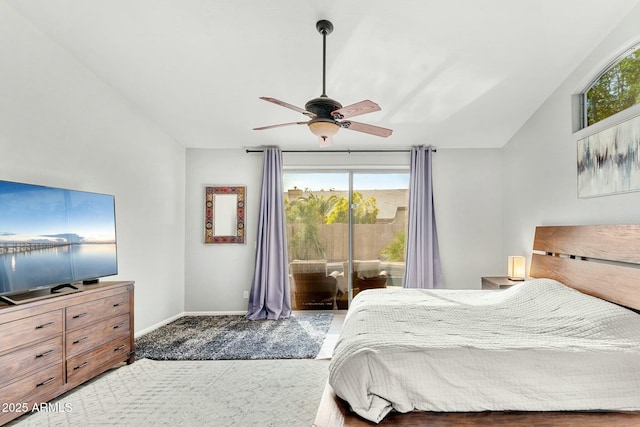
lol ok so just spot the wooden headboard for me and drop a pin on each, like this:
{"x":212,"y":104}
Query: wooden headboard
{"x":599,"y":260}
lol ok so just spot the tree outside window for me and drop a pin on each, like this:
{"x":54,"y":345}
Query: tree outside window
{"x":617,"y":89}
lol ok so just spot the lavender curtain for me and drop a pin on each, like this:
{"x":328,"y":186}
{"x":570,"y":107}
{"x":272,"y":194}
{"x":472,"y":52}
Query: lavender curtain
{"x":270,"y":297}
{"x":422,"y":268}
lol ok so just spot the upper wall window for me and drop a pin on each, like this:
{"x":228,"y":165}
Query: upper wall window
{"x":616,"y":89}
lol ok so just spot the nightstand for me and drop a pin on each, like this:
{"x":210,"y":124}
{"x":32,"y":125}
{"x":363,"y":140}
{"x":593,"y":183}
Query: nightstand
{"x":498,"y":282}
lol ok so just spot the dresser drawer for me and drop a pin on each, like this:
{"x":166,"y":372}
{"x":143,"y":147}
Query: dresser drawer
{"x":92,"y":336}
{"x":41,"y":339}
{"x":30,"y":359}
{"x":39,"y":383}
{"x":78,"y":316}
{"x":30,"y":329}
{"x":86,"y":365}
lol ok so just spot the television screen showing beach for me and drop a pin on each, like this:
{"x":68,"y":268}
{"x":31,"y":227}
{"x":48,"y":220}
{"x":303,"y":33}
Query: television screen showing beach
{"x":52,"y":236}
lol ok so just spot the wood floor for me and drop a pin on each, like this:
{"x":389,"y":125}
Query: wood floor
{"x":334,"y":412}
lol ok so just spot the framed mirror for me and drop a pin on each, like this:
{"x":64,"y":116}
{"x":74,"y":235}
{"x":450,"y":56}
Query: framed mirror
{"x":224,"y":214}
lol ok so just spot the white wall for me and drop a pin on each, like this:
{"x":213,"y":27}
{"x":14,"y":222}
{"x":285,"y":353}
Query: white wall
{"x":540,"y":160}
{"x":62,"y":126}
{"x":468,"y":198}
{"x":217,"y":274}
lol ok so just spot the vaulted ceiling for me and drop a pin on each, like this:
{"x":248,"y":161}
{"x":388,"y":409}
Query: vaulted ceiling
{"x":453,"y":73}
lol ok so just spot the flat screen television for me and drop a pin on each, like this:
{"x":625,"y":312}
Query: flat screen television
{"x":53,"y":239}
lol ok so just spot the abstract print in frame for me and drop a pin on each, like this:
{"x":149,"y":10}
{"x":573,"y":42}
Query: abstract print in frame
{"x":609,"y":161}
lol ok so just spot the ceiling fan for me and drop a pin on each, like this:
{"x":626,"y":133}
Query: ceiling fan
{"x":327,"y":115}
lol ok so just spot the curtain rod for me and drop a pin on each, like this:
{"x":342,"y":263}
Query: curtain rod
{"x":338,"y":151}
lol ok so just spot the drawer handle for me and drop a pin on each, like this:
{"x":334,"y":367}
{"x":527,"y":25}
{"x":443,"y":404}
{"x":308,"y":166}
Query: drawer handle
{"x":49,"y":381}
{"x":77,"y":316}
{"x":45,"y":325}
{"x":118,"y":304}
{"x":120,"y":347}
{"x":82,"y":365}
{"x":119,"y":325}
{"x":80,"y":340}
{"x":46,"y":353}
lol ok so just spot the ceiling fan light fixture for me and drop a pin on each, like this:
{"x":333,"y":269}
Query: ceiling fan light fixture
{"x":326,"y":113}
{"x":323,"y":128}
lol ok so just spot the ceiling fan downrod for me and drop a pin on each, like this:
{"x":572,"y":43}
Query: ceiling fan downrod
{"x":325,"y":28}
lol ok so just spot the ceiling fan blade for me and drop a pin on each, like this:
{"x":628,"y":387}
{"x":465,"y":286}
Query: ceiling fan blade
{"x":362,"y":107}
{"x":280,"y":125}
{"x":287,"y":105}
{"x":363,"y":127}
{"x":325,"y":141}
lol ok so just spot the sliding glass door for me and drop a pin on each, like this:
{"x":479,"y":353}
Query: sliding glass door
{"x":345,"y":233}
{"x":379,"y":229}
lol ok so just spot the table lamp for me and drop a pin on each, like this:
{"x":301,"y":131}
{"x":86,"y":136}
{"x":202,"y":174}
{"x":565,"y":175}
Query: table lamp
{"x":515,"y":268}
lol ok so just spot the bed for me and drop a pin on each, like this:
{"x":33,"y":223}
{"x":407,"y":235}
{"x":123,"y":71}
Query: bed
{"x":551,"y":348}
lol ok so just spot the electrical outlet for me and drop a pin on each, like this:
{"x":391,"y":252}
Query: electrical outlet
{"x":245,"y":294}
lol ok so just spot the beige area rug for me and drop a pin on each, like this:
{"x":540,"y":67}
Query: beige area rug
{"x":223,"y":393}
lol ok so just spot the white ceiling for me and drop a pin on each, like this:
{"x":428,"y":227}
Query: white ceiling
{"x":452,"y":73}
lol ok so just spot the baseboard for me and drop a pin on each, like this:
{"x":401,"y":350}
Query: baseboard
{"x":158,"y":325}
{"x":214,"y":313}
{"x":187,"y":313}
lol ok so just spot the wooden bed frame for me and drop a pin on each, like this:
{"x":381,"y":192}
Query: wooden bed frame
{"x":599,"y":260}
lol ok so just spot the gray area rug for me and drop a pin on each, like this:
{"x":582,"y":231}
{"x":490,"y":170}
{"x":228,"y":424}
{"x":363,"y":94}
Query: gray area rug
{"x":235,"y":337}
{"x":223,"y":393}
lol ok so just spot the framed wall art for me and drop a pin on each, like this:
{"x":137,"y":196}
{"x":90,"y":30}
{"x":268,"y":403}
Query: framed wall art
{"x":609,"y":161}
{"x":224,"y":214}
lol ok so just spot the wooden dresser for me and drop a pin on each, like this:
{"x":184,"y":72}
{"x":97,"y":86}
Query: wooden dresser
{"x":49,"y":346}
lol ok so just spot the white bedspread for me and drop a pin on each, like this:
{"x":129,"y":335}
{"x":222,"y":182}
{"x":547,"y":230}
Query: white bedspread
{"x":538,"y":346}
